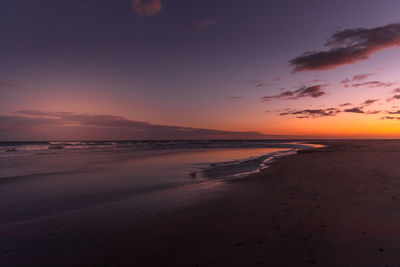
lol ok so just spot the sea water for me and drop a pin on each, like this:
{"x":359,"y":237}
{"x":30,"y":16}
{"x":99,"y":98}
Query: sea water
{"x":47,"y":178}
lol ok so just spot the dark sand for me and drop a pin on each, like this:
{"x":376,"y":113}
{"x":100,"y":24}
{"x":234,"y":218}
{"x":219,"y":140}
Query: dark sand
{"x":335,"y":206}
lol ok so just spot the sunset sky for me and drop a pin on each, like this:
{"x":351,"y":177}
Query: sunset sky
{"x":168,"y":69}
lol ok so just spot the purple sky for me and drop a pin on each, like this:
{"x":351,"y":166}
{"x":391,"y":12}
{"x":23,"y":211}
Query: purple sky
{"x":225,"y":65}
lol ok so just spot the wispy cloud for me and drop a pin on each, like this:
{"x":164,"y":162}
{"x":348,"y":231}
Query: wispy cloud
{"x":10,"y":85}
{"x":311,"y":91}
{"x":373,"y":84}
{"x":262,"y":84}
{"x":258,"y":83}
{"x":234,"y":98}
{"x":361,"y":77}
{"x":373,"y":112}
{"x":207,"y":23}
{"x":356,"y":78}
{"x":146,"y":8}
{"x":349,"y":46}
{"x":395,"y":97}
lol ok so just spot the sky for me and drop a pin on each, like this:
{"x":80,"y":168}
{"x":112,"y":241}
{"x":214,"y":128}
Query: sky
{"x":199,"y":69}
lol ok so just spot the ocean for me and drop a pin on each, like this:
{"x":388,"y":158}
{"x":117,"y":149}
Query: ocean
{"x":41,"y":179}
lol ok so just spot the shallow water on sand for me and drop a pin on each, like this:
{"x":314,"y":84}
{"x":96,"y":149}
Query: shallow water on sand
{"x":50,"y":183}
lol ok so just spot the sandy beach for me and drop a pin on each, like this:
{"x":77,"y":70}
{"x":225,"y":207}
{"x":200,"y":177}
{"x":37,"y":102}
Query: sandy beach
{"x":332,"y":206}
{"x":199,"y":133}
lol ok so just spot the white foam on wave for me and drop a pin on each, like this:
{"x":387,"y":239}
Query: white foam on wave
{"x":246,"y":167}
{"x":142,"y":145}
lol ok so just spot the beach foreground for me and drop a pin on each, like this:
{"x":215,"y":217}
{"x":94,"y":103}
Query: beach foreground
{"x":332,"y":206}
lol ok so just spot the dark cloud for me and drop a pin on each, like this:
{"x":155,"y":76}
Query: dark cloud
{"x":277,"y":79}
{"x":390,"y":118}
{"x":372,"y":84}
{"x":349,"y":46}
{"x":354,"y":110}
{"x":311,"y":113}
{"x":43,"y":125}
{"x":363,"y":105}
{"x":146,"y":8}
{"x":312,"y":91}
{"x":345,"y":104}
{"x":317,"y":113}
{"x":328,"y":112}
{"x":395,"y":97}
{"x":397,"y":112}
{"x":369,"y":102}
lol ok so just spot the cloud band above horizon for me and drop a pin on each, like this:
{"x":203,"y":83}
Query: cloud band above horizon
{"x":76,"y":126}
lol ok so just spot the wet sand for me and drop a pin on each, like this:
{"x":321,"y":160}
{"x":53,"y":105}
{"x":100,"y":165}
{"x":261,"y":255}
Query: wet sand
{"x":333,"y":206}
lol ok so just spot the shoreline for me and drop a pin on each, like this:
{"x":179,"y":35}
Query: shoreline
{"x":336,"y":205}
{"x":28,"y":207}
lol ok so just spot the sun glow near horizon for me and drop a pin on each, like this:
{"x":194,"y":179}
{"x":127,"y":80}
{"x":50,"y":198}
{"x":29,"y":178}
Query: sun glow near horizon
{"x":145,"y":70}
